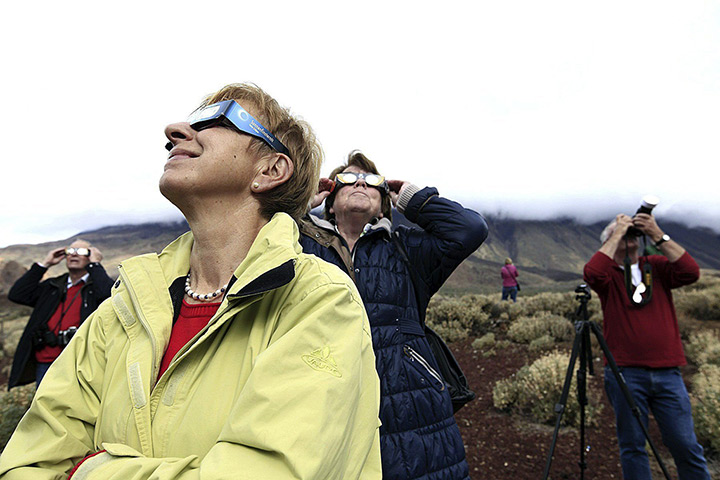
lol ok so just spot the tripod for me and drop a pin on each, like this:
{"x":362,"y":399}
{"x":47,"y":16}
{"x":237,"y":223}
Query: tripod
{"x":582,"y":348}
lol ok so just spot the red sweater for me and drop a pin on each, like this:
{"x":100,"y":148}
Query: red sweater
{"x":192,"y":319}
{"x":646,"y":336}
{"x":66,"y":315}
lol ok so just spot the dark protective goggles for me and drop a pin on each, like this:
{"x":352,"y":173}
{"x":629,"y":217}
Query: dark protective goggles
{"x":230,"y":114}
{"x":82,"y":251}
{"x":372,"y":179}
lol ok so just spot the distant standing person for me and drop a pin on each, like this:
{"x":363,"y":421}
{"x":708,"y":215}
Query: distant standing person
{"x":60,"y":305}
{"x":510,"y":285}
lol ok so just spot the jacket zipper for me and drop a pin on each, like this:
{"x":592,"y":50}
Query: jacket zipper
{"x":414,"y":356}
{"x":141,"y":317}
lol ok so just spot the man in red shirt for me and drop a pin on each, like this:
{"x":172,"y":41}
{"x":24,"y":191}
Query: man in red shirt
{"x":641,"y":330}
{"x":60,"y":305}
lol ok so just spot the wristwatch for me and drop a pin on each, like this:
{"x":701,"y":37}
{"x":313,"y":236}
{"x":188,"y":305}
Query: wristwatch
{"x":663,"y":239}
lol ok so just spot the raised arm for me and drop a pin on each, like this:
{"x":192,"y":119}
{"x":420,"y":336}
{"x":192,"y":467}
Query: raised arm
{"x":450,"y":233}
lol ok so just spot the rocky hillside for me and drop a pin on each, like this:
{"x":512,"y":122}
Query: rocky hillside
{"x":549,"y":254}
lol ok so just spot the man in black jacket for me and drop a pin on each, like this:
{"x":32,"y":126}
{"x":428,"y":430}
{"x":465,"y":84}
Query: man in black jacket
{"x":60,"y":305}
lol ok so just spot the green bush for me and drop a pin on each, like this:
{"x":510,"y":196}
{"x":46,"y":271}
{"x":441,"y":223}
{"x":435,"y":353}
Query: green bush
{"x":485,"y":342}
{"x":13,"y":405}
{"x":703,"y":347}
{"x":546,"y":342}
{"x":527,"y":329}
{"x":534,"y":390}
{"x":706,"y":404}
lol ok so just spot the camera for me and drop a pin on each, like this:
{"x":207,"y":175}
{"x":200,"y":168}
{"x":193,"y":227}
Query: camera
{"x":64,"y":336}
{"x":44,"y":338}
{"x":583,"y":292}
{"x":648,"y":203}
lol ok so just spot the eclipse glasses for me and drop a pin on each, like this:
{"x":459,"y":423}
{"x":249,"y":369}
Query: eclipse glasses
{"x":82,"y":251}
{"x":372,"y":179}
{"x":229,"y":113}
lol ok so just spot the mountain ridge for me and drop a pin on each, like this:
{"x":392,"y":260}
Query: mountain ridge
{"x":549,"y":254}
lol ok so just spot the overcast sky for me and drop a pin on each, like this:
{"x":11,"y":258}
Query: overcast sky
{"x":527,"y":109}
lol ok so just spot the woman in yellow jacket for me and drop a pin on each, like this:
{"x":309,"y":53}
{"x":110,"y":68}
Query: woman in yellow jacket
{"x":277,"y":379}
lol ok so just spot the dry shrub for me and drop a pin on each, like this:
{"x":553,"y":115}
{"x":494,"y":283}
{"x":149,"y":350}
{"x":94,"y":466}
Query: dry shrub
{"x":456,"y":318}
{"x":12,"y":331}
{"x":534,"y":390}
{"x":527,"y":329}
{"x":546,"y":342}
{"x":703,"y":348}
{"x":701,"y":302}
{"x":13,"y":405}
{"x":706,"y":404}
{"x":562,"y":304}
{"x":485,"y":342}
{"x":505,"y":311}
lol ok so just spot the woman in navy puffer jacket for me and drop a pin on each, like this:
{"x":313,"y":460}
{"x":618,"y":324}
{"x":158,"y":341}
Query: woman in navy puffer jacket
{"x":419,"y":437}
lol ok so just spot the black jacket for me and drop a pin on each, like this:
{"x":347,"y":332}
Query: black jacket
{"x":45,"y":297}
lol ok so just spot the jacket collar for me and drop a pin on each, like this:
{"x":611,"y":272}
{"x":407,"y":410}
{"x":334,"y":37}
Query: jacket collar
{"x":268,"y":264}
{"x":61,"y":281}
{"x":380,"y":225}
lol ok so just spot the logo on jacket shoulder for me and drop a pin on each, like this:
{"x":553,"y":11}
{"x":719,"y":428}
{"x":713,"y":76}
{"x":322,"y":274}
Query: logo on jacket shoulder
{"x":322,"y":361}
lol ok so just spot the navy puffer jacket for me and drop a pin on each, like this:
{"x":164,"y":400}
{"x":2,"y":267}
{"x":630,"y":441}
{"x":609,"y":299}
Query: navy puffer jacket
{"x":419,"y":437}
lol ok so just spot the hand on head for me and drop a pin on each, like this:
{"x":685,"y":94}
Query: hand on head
{"x":96,"y":255}
{"x":396,"y":188}
{"x":622,"y":224}
{"x":323,"y":192}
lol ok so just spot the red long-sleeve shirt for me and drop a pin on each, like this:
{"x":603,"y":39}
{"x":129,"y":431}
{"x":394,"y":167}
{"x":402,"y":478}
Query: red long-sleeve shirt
{"x":646,"y":336}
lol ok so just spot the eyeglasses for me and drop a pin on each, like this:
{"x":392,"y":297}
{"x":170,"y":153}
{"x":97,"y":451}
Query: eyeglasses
{"x":231,"y":114}
{"x":82,"y":251}
{"x":372,"y":179}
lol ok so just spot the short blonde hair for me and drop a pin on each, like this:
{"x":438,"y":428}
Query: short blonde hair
{"x":291,"y":197}
{"x":508,"y":261}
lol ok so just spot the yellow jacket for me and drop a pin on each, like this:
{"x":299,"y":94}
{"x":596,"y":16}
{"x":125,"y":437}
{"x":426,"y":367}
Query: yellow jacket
{"x":280,"y":384}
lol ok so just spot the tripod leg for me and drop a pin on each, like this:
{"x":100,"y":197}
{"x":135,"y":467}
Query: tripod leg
{"x":627,"y":395}
{"x":560,"y":406}
{"x":585,"y":359}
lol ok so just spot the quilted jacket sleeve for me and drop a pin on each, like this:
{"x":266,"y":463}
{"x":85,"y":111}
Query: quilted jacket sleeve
{"x":450,"y":233}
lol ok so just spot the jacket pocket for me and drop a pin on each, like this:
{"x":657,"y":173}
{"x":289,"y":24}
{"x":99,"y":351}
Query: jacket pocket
{"x":423,"y":367}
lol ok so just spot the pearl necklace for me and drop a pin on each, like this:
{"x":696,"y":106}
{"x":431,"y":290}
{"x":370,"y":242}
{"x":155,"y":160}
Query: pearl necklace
{"x":203,"y":298}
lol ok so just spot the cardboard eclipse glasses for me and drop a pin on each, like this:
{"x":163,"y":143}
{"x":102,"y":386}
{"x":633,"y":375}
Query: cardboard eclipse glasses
{"x":230,"y":114}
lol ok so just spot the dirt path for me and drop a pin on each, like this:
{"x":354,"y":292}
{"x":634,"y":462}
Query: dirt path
{"x":502,"y":447}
